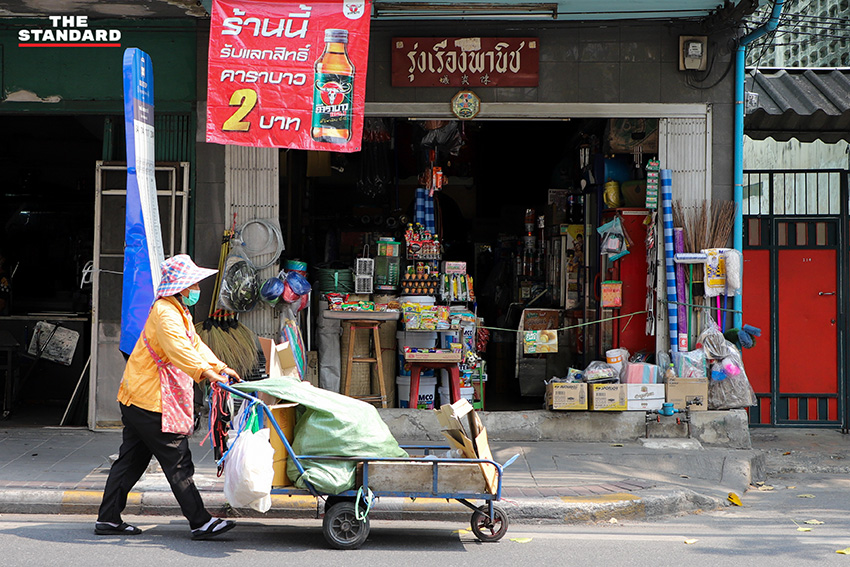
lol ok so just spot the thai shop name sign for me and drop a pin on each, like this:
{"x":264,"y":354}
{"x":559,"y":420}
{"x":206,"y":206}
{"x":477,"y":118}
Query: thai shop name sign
{"x":271,"y":81}
{"x":465,"y":62}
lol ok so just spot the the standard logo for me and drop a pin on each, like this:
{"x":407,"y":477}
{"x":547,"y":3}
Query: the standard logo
{"x":69,"y":31}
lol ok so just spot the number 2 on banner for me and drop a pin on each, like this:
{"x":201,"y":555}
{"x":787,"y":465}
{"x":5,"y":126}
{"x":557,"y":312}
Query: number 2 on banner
{"x":246,"y":99}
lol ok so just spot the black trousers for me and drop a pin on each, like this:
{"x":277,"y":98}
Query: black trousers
{"x":143,"y":438}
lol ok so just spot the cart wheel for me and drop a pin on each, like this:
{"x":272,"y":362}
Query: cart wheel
{"x":484,"y":529}
{"x":341,"y":527}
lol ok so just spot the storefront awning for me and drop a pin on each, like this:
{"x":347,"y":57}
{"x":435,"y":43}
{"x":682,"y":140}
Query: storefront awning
{"x":807,"y":104}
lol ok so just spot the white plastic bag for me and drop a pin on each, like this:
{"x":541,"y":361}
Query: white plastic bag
{"x":248,"y":471}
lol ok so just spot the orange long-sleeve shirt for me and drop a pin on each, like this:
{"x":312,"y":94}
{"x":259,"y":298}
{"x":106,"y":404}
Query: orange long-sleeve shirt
{"x":166,"y":328}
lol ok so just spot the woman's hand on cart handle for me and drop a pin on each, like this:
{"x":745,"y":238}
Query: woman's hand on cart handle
{"x":231,"y":375}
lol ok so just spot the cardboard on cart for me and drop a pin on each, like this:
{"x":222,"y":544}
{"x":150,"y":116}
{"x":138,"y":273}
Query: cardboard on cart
{"x":280,"y":360}
{"x":419,"y":477}
{"x":473,"y":445}
{"x":643,"y":397}
{"x":284,"y":415}
{"x":566,"y":396}
{"x":682,"y":390}
{"x":608,"y":397}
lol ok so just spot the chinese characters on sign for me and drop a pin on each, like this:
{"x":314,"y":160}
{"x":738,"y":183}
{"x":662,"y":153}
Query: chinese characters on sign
{"x":467,"y":62}
{"x":288,"y":75}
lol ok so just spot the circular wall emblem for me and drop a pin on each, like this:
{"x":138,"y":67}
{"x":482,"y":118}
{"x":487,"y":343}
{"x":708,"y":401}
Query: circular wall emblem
{"x":466,"y":105}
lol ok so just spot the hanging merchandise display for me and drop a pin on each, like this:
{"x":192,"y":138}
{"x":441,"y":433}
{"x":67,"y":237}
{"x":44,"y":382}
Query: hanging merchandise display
{"x":240,"y":289}
{"x":651,"y":271}
{"x":272,"y":290}
{"x":652,"y":176}
{"x":230,"y":340}
{"x":613,"y":239}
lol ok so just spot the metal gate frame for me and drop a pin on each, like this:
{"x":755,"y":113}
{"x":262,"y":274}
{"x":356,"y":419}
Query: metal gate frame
{"x":768,"y":221}
{"x":174,"y":192}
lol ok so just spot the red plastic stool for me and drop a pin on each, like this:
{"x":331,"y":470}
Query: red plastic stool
{"x":416,"y":367}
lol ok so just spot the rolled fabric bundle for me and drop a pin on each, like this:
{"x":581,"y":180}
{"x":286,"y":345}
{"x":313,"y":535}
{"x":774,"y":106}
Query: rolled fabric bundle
{"x":667,"y":220}
{"x":679,"y":248}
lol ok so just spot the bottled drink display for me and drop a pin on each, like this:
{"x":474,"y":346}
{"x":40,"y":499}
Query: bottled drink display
{"x":333,"y":90}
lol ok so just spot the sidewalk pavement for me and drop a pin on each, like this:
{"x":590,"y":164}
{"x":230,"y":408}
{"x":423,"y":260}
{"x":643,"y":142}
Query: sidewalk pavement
{"x":63,"y":471}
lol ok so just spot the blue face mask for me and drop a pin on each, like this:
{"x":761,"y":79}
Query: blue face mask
{"x":194,"y":296}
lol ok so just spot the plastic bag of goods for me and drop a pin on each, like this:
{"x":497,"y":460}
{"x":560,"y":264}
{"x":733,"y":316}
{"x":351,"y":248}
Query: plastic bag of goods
{"x":249,"y":471}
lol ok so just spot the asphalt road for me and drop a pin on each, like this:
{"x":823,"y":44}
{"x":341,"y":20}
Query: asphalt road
{"x":762,"y":532}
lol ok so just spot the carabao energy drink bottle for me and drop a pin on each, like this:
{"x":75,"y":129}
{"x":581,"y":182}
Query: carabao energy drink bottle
{"x":333,"y":90}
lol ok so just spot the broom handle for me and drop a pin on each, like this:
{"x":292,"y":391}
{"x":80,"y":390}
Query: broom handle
{"x":718,"y":309}
{"x":725,"y":302}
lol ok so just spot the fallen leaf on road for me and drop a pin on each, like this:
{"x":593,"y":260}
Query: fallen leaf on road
{"x":787,"y":453}
{"x":813,"y":522}
{"x":845,"y":551}
{"x":734,"y":499}
{"x":801,"y":529}
{"x":690,"y":541}
{"x":521,"y":539}
{"x":765,"y":488}
{"x":805,"y":496}
{"x":760,"y":483}
{"x":790,"y":487}
{"x":613,"y":521}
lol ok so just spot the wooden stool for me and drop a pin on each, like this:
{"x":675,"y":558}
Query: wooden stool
{"x":366,"y":324}
{"x":416,"y":367}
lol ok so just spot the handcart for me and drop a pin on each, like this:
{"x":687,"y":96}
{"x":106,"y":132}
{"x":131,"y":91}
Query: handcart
{"x":346,"y":521}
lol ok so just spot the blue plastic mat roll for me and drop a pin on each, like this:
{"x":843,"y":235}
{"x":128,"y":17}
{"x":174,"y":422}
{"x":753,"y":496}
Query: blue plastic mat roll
{"x":667,"y":219}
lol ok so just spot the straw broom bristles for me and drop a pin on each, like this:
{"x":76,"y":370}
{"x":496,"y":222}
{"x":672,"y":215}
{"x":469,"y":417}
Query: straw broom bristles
{"x":722,"y":222}
{"x":704,"y":226}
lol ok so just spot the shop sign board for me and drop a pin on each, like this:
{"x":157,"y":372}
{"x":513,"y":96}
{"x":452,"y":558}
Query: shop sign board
{"x":143,"y":250}
{"x":465,"y":61}
{"x":287,"y":74}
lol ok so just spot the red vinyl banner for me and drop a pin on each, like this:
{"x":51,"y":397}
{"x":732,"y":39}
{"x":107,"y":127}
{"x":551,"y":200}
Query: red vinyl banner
{"x":288,"y":74}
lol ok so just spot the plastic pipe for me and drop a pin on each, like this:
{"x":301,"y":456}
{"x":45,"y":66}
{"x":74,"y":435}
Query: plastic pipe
{"x":740,"y":72}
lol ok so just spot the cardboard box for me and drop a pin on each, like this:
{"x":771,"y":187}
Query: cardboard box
{"x":284,"y":415}
{"x":608,"y":397}
{"x":540,"y":319}
{"x":472,"y":446}
{"x":682,"y":390}
{"x":646,"y":391}
{"x":566,"y":396}
{"x":312,"y":369}
{"x":645,"y":405}
{"x":280,"y":360}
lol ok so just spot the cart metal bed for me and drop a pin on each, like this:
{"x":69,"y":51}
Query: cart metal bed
{"x":346,"y":522}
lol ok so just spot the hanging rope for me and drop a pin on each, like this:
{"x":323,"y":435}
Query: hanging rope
{"x":273,"y":244}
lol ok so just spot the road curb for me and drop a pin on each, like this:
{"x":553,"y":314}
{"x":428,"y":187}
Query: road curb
{"x":648,"y":504}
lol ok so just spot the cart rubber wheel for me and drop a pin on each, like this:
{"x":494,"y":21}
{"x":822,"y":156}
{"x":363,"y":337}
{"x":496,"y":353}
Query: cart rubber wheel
{"x":484,"y":529}
{"x":341,"y":527}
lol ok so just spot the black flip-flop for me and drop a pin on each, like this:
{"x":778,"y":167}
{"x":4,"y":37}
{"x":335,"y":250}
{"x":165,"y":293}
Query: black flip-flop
{"x":215,"y":529}
{"x":123,"y":528}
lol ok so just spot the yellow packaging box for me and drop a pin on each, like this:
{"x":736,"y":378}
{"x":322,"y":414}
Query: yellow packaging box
{"x":608,"y":397}
{"x":566,"y":396}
